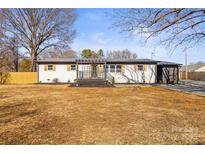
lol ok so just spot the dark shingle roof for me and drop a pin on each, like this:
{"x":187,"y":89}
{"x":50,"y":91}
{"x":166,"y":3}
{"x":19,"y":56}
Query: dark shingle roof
{"x":132,"y":60}
{"x":96,"y":59}
{"x":48,"y":60}
{"x":102,"y":60}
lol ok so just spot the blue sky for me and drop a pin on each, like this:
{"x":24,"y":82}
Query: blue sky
{"x":95,"y":31}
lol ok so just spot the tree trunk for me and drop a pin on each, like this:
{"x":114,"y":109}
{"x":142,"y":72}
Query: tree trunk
{"x":15,"y":53}
{"x":33,"y":61}
{"x":16,"y":60}
{"x":16,"y":65}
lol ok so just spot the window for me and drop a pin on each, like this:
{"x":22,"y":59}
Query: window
{"x":107,"y":68}
{"x":50,"y":67}
{"x":118,"y":68}
{"x":112,"y":68}
{"x":72,"y":67}
{"x":140,"y":67}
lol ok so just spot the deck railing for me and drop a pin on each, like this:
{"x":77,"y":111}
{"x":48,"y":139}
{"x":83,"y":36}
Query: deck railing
{"x":110,"y":78}
{"x":91,"y":75}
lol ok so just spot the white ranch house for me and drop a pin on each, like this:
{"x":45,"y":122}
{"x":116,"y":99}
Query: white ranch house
{"x":107,"y":70}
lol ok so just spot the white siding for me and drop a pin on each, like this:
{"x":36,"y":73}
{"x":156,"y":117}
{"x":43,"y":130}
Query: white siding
{"x":130,"y":76}
{"x":60,"y":73}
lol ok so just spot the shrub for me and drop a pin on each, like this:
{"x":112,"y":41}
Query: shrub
{"x":55,"y":80}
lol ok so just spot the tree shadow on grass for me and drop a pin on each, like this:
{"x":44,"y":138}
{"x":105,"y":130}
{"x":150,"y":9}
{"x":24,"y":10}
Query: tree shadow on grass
{"x":12,"y":106}
{"x":8,"y":117}
{"x":17,"y":110}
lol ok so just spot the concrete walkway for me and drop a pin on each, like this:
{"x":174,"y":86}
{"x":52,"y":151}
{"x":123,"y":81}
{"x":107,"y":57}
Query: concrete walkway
{"x":194,"y":87}
{"x":200,"y":83}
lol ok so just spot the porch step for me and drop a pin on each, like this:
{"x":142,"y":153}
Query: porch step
{"x":91,"y":82}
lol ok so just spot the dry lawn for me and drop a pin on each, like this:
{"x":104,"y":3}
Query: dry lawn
{"x":57,"y":114}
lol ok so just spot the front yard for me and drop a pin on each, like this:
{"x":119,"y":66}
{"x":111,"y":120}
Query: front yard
{"x":57,"y":114}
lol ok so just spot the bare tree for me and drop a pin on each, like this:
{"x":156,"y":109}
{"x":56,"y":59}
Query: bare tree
{"x":3,"y":63}
{"x":124,"y":54}
{"x":39,"y":29}
{"x":11,"y":47}
{"x":55,"y":53}
{"x":70,"y":54}
{"x":1,"y":44}
{"x":4,"y":55}
{"x":172,"y":27}
{"x":8,"y":49}
{"x":9,"y":55}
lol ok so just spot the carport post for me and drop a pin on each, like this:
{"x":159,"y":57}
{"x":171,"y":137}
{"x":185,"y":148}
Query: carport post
{"x":177,"y":74}
{"x":105,"y":70}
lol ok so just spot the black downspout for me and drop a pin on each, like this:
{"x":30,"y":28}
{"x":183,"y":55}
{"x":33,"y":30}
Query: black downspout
{"x":38,"y":73}
{"x":77,"y":71}
{"x":156,"y":76}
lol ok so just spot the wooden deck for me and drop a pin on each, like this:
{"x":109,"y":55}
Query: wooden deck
{"x":91,"y":83}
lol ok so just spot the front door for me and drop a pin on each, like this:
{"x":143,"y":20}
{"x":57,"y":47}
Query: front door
{"x":94,"y":71}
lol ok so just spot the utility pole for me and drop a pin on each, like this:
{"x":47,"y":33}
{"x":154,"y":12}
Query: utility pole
{"x":186,"y":67}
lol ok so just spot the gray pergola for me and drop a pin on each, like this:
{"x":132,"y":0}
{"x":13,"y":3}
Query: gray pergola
{"x":91,"y":61}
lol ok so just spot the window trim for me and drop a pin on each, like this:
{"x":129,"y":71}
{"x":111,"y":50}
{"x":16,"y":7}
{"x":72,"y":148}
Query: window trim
{"x":118,"y":70}
{"x":107,"y":68}
{"x":114,"y":69}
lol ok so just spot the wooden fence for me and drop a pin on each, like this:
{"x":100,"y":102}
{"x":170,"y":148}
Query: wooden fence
{"x":200,"y":76}
{"x":18,"y":77}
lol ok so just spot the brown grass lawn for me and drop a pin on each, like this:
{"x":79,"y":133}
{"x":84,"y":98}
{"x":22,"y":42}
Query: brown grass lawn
{"x":53,"y":114}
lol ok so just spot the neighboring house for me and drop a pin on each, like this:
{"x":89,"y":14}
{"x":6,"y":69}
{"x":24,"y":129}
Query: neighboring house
{"x":201,"y":69}
{"x":108,"y":70}
{"x":194,"y":68}
{"x":195,"y":72}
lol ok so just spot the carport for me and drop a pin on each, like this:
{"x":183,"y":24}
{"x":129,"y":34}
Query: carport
{"x":167,"y":72}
